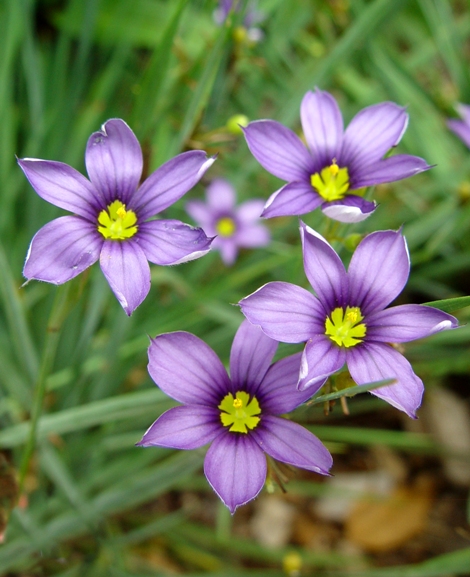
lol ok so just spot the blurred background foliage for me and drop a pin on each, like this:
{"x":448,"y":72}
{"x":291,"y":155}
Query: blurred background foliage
{"x":93,"y":503}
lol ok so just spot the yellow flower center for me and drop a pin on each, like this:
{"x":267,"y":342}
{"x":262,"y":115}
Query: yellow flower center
{"x":239,"y":413}
{"x":225,"y":226}
{"x":117,"y":223}
{"x":332,"y":183}
{"x":344,"y":327}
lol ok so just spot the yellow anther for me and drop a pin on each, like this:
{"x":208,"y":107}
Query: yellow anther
{"x":237,"y":403}
{"x":121,"y":212}
{"x":352,"y":316}
{"x":225,"y":226}
{"x":334,"y":168}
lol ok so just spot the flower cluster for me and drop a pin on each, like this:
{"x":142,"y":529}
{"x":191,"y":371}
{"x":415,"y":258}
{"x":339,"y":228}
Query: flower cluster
{"x":346,"y":321}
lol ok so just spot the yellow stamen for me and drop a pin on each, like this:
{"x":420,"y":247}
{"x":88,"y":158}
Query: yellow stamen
{"x":332,"y":182}
{"x":225,"y":226}
{"x":344,"y":327}
{"x":239,"y":413}
{"x":117,"y":223}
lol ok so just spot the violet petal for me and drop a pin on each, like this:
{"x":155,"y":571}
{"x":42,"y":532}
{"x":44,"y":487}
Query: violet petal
{"x":221,"y":196}
{"x":293,"y":199}
{"x":187,"y":369}
{"x":168,"y":242}
{"x":236,"y":469}
{"x":278,"y":394}
{"x":371,"y":134}
{"x":63,"y":186}
{"x":321,"y":358}
{"x":461,"y":129}
{"x":170,"y":182}
{"x":350,"y":209}
{"x":62,"y":249}
{"x":114,"y":161}
{"x":127,"y":271}
{"x":389,"y":170}
{"x":324,"y":269}
{"x":250,"y":357}
{"x":185,"y":427}
{"x":322,"y":124}
{"x":405,"y":323}
{"x":279,"y":150}
{"x":291,"y":443}
{"x":378,"y":270}
{"x":372,"y":362}
{"x":284,"y":311}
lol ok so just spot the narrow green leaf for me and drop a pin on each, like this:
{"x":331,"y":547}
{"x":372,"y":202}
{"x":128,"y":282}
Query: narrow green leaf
{"x":351,"y":391}
{"x":450,"y":305}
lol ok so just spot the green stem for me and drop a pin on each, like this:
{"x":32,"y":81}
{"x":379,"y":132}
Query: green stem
{"x":59,"y":311}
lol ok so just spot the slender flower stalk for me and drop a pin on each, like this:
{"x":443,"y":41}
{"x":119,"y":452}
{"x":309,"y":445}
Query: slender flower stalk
{"x":238,"y":415}
{"x":233,"y":226}
{"x":336,"y":166}
{"x":347,"y":322}
{"x":113,"y":217}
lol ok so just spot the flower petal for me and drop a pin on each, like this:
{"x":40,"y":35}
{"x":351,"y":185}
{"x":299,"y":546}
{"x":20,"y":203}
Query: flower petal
{"x":236,"y":469}
{"x":372,"y":362}
{"x":293,"y":199}
{"x":389,"y":170}
{"x":324,"y":270}
{"x":167,"y":242}
{"x":291,"y":443}
{"x":378,"y":270}
{"x":461,"y":129}
{"x":114,"y":161}
{"x":63,"y":186}
{"x":228,"y":249}
{"x":220,"y":196}
{"x":250,"y":211}
{"x":62,"y":249}
{"x":284,"y":311}
{"x":186,"y":427}
{"x":170,"y":182}
{"x":321,"y":358}
{"x":250,"y":357}
{"x":322,"y":124}
{"x":187,"y":369}
{"x":371,"y":134}
{"x":202,"y":214}
{"x":126,"y":269}
{"x":407,"y":323}
{"x":351,"y":208}
{"x":252,"y":236}
{"x":279,"y":150}
{"x":278,"y":393}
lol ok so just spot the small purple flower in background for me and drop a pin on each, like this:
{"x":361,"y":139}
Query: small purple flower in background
{"x":461,"y":127}
{"x":251,"y":18}
{"x":111,"y":215}
{"x":236,"y":414}
{"x":235,"y":226}
{"x":347,"y":321}
{"x":336,"y":162}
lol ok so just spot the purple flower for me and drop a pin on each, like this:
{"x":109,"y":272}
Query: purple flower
{"x":461,"y":127}
{"x":234,"y":226}
{"x":347,"y":321}
{"x":112,"y":213}
{"x":336,"y":162}
{"x":237,"y":414}
{"x":251,"y":18}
